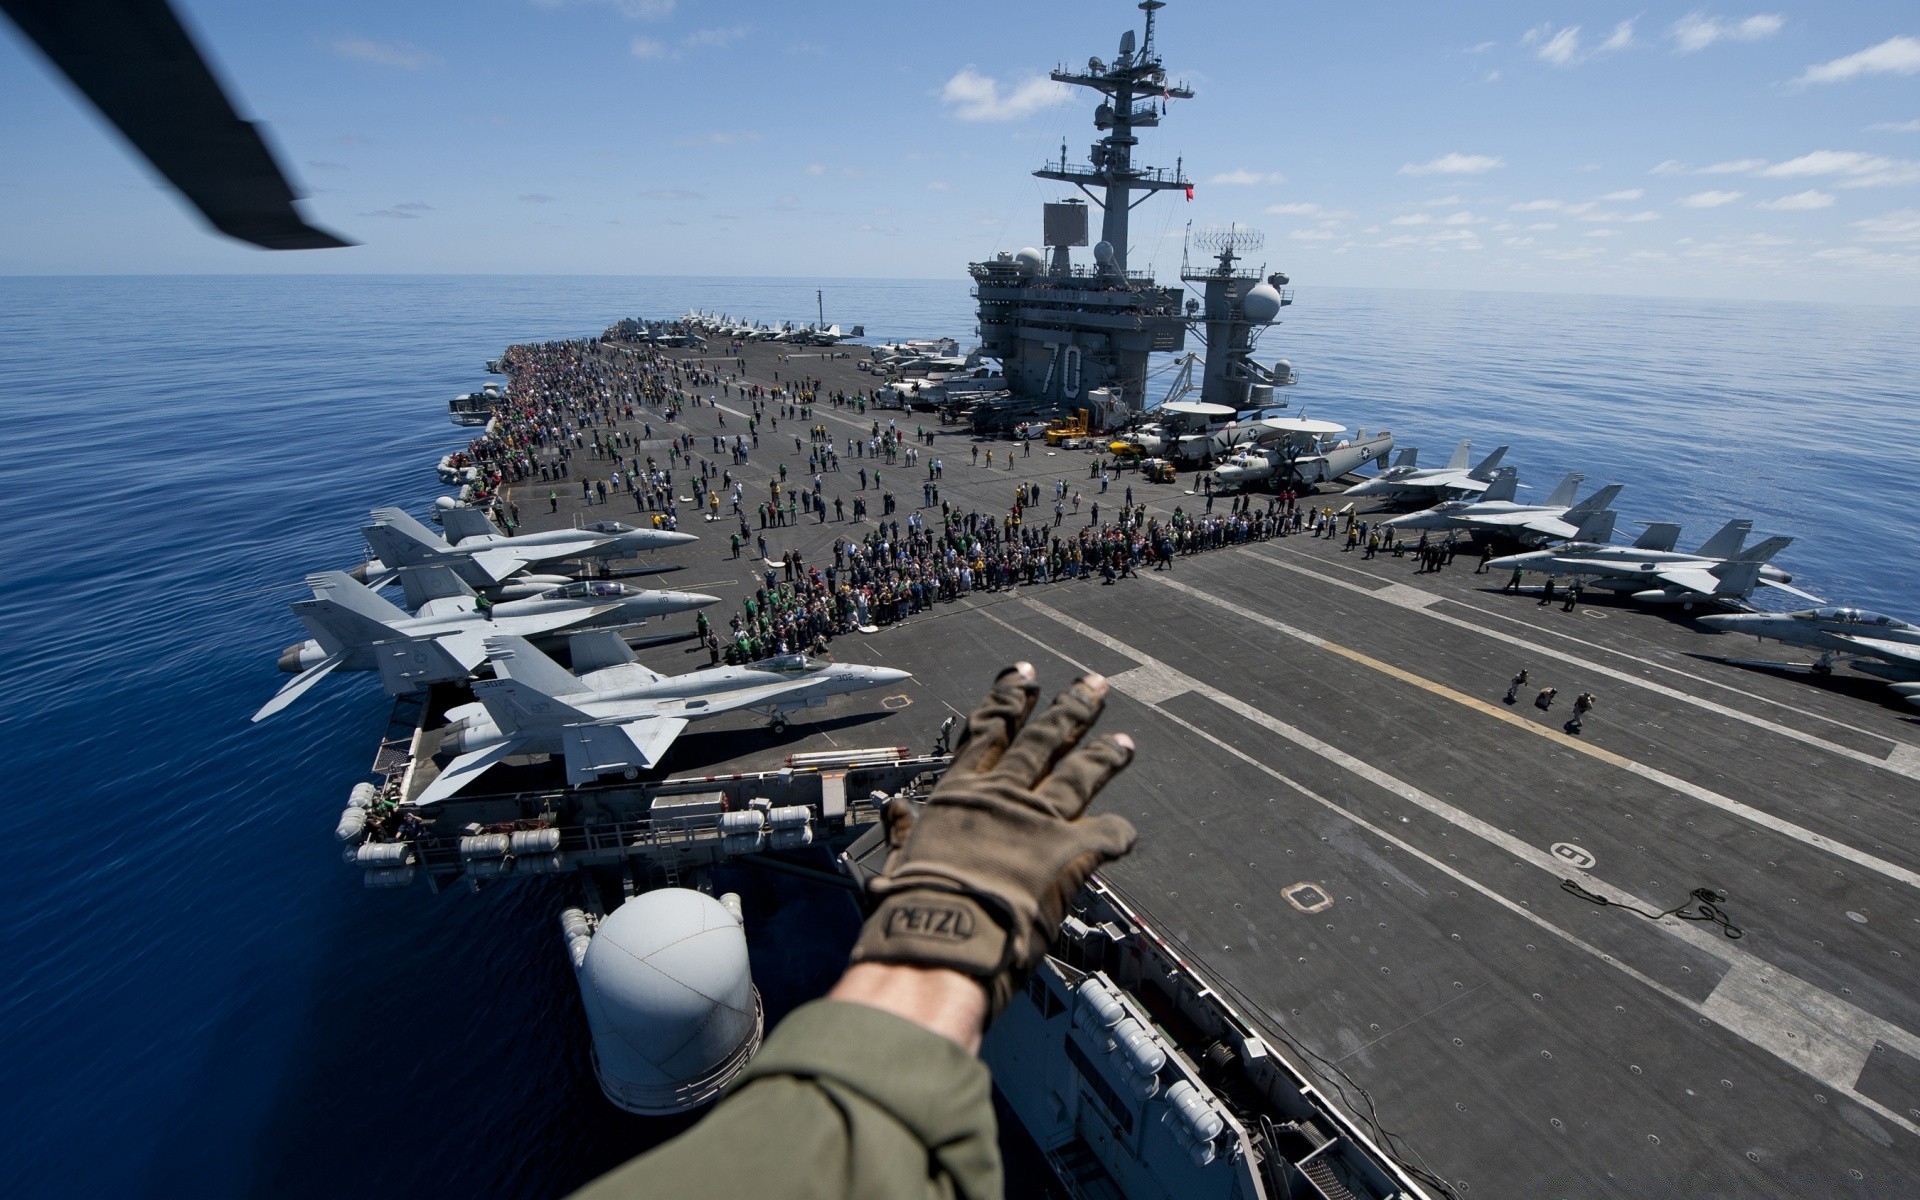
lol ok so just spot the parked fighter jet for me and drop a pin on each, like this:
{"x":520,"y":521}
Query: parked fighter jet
{"x":355,"y":630}
{"x":1875,"y":643}
{"x":1721,"y":569}
{"x":1452,"y":482}
{"x":618,"y":716}
{"x":484,"y":556}
{"x":1496,"y":512}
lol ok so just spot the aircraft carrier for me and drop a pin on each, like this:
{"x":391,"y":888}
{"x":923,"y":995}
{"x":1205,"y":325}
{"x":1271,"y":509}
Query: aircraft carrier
{"x":1673,"y":953}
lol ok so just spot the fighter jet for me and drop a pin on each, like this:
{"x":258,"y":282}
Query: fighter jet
{"x":618,"y":716}
{"x":355,"y":630}
{"x":1496,"y":512}
{"x":1877,"y":644}
{"x":1722,"y":569}
{"x":483,"y":556}
{"x":1451,"y":482}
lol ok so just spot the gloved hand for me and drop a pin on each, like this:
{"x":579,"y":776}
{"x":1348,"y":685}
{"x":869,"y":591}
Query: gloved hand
{"x":980,"y":881}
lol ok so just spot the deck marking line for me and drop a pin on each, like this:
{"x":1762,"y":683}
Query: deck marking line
{"x":1764,"y":1016}
{"x":1907,"y":763}
{"x":1565,"y":741}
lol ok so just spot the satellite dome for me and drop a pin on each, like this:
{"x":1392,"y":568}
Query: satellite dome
{"x":1282,"y":371}
{"x":443,"y":503}
{"x":1030,"y":261}
{"x":1261,"y":304}
{"x":670,"y":999}
{"x":1103,"y":252}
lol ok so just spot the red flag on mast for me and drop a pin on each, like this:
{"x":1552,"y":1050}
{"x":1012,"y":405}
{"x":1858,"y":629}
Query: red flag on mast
{"x":1189,"y":191}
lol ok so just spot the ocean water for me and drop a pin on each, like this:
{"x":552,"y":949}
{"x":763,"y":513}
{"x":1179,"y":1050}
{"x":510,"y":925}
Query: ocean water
{"x":198,"y":996}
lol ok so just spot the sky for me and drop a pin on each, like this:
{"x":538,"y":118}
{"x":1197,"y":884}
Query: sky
{"x":1750,"y":152}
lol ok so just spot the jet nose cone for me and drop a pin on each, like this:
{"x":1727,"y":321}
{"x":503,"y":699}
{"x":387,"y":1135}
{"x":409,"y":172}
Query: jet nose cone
{"x":290,"y":658}
{"x":889,"y":675}
{"x":694,"y":599}
{"x":672,"y":538}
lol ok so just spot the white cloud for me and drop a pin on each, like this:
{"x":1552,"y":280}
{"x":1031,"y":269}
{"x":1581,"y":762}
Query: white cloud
{"x":717,"y":39}
{"x":1912,"y":126}
{"x":1313,"y":235}
{"x":1413,"y":219}
{"x":1899,"y":226}
{"x":1619,"y":39}
{"x":1671,"y":166}
{"x":1561,"y":47}
{"x":1295,"y":210}
{"x":722,"y":137}
{"x":1709,"y":199}
{"x":1799,"y":202}
{"x":1541,"y":226}
{"x":1455,"y":164}
{"x":648,"y":48}
{"x":1537,"y":206}
{"x":1855,"y":169}
{"x":1895,"y":56}
{"x":1461,"y":218}
{"x":1481,"y":48}
{"x":1603,"y":233}
{"x":977,"y":97}
{"x":1625,"y":194}
{"x":1696,"y":31}
{"x":816,"y":169}
{"x":383,"y":54}
{"x":1736,"y":166}
{"x":1244,"y":177}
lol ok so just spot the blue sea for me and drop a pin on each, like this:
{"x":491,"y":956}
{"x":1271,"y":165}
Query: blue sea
{"x":199,"y":998}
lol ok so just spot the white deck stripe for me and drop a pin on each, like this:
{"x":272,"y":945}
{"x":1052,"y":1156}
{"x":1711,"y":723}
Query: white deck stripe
{"x":1395,"y":593}
{"x":1769,"y":1007}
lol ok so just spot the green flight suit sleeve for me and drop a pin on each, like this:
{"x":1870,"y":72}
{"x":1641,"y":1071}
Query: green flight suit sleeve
{"x":843,"y":1100}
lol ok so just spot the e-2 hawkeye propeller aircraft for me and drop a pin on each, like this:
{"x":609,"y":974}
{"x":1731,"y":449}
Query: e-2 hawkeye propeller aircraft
{"x":1293,"y":451}
{"x":1455,"y":481}
{"x":355,"y":630}
{"x":619,"y":716}
{"x":1723,"y":569}
{"x":483,"y":556}
{"x":1875,"y":643}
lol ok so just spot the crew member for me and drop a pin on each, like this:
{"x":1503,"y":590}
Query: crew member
{"x":877,"y":1090}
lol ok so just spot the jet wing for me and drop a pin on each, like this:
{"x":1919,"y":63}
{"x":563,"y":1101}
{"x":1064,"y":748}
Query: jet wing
{"x":1699,"y":580}
{"x":459,"y":773}
{"x":498,"y":564}
{"x":596,"y":750}
{"x":1787,"y":587}
{"x":1904,"y":652}
{"x":409,"y":665}
{"x":298,"y":685}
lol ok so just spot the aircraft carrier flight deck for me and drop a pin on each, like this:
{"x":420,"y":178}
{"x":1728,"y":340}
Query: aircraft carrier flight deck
{"x":1411,"y":883}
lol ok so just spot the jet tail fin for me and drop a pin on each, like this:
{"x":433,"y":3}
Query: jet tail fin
{"x":1761,"y":552}
{"x":1737,"y":578}
{"x":1503,"y":486}
{"x":1462,"y":455}
{"x":515,"y":658}
{"x":1564,"y":493}
{"x":423,"y":585}
{"x":1593,"y":504}
{"x":462,"y":523}
{"x":337,"y":627}
{"x":400,"y":519}
{"x":1660,"y":535}
{"x":1488,"y":465}
{"x":1726,"y":543}
{"x":597,"y":649}
{"x":396,"y":548}
{"x":1408,"y":457}
{"x":1596,"y":527}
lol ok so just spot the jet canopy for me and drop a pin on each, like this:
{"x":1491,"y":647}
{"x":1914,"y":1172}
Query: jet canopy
{"x":610,"y":528}
{"x":591,"y":589}
{"x":787,"y":664}
{"x":1853,"y":616}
